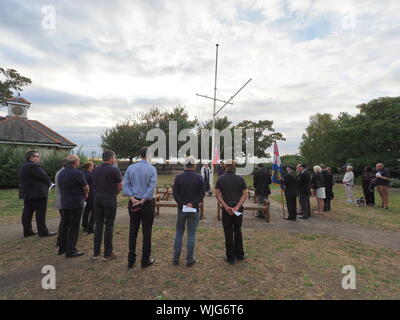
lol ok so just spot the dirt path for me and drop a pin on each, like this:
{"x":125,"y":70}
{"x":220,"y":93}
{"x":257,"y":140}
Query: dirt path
{"x":315,"y":225}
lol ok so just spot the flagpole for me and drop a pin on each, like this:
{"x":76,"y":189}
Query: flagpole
{"x":283,"y":205}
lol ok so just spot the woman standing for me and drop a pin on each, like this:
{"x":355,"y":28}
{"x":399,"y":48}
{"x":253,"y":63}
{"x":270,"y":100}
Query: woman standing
{"x":368,"y":178}
{"x":348,"y":181}
{"x":318,"y":186}
{"x":205,"y":173}
{"x":88,"y":215}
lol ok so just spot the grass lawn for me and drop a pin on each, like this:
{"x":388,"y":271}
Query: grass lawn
{"x":279,"y":266}
{"x":372,"y":217}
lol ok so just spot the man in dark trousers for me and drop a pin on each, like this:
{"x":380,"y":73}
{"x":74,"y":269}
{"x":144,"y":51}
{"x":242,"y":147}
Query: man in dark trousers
{"x":328,"y":178}
{"x":261,"y":182}
{"x":139,"y":183}
{"x":74,"y":190}
{"x":231,"y":193}
{"x":304,"y":188}
{"x":291,"y":192}
{"x":34,"y":186}
{"x":107,"y":182}
{"x":188,"y":192}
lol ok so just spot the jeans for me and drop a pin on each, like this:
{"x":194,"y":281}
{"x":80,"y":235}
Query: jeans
{"x":145,"y":216}
{"x":38,"y":205}
{"x":192,"y":221}
{"x":105,"y":210}
{"x":233,"y":235}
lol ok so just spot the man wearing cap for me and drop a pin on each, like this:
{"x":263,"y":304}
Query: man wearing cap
{"x":188,"y":192}
{"x":231,"y":193}
{"x":291,"y":192}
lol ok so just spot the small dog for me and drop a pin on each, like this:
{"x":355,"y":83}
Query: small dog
{"x":361,"y":202}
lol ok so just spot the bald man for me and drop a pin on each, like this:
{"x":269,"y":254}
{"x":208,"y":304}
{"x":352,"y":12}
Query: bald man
{"x":74,"y":191}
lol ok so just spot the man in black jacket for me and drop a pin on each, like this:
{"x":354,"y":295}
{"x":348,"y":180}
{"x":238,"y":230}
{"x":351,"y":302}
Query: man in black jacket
{"x":188,"y":192}
{"x":261,"y":182}
{"x":328,"y":179}
{"x":304,"y":186}
{"x":34,"y":186}
{"x":291,"y":192}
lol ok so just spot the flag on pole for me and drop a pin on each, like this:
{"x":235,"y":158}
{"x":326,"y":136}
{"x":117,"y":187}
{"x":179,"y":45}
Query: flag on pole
{"x":276,"y":166}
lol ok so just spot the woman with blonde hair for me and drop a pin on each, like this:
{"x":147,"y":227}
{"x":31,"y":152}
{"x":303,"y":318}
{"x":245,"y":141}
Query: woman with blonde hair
{"x":318,"y":186}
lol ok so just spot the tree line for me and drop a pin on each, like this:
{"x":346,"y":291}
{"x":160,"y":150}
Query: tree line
{"x":369,"y":137}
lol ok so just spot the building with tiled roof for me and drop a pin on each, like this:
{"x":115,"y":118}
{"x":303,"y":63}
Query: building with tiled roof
{"x":17,"y":130}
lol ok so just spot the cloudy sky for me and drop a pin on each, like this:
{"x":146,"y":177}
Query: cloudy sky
{"x":104,"y":60}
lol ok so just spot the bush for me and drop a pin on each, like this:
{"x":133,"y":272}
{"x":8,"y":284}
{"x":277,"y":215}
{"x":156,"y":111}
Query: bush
{"x":395,"y":183}
{"x":10,"y":160}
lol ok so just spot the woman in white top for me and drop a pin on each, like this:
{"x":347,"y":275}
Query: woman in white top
{"x":348,"y":181}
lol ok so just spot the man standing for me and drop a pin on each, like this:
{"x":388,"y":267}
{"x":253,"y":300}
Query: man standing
{"x":220,"y":168}
{"x":382,"y":181}
{"x":139,"y":183}
{"x":261,"y":182}
{"x":188,"y":192}
{"x":34,"y":186}
{"x":74,"y":190}
{"x":348,"y":181}
{"x":205,"y":172}
{"x":291,"y":192}
{"x":328,"y":178}
{"x":304,"y":188}
{"x":107,"y":182}
{"x":231,"y":193}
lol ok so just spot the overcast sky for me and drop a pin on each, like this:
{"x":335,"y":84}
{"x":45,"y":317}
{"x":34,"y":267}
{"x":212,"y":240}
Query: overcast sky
{"x":107,"y":59}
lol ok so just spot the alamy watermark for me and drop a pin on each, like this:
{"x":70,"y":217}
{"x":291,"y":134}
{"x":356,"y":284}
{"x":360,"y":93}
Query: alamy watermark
{"x":233,"y":145}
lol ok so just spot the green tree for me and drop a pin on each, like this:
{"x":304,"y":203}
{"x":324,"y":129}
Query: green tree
{"x":11,"y":80}
{"x":125,"y":139}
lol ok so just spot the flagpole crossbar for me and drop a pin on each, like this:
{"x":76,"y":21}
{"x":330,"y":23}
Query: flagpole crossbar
{"x":200,"y":95}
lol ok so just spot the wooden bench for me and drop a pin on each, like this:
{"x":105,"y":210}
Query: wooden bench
{"x":250,"y":206}
{"x":172,"y":204}
{"x":164,"y":192}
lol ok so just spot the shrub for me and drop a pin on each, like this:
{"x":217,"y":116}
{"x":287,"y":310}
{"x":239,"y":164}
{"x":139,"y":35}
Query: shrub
{"x":10,"y":160}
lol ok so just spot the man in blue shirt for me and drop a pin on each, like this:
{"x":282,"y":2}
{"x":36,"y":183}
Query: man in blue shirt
{"x":74,"y":190}
{"x":139,"y":183}
{"x":188,"y":192}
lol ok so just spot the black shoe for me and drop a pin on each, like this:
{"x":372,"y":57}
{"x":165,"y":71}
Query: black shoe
{"x":241,"y":258}
{"x":230,"y":261}
{"x":175,"y":262}
{"x":148,"y":263}
{"x":49,"y":234}
{"x":290,"y":219}
{"x":74,"y":254}
{"x":190,"y":263}
{"x":61,"y":252}
{"x":30,"y":234}
{"x":131,"y":264}
{"x":303,"y":217}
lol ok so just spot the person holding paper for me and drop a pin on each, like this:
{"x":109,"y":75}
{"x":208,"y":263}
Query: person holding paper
{"x":231,"y":193}
{"x":188,"y":192}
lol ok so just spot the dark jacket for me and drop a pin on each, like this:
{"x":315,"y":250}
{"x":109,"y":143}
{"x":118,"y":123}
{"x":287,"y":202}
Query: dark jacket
{"x":290,"y":183}
{"x":304,"y":183}
{"x":33,"y":181}
{"x":328,"y":179}
{"x":188,"y":188}
{"x":89,"y":178}
{"x":261,"y":182}
{"x":317,"y":180}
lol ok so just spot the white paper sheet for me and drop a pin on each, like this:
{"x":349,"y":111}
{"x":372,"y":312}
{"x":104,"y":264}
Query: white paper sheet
{"x":237,"y":213}
{"x":188,"y":209}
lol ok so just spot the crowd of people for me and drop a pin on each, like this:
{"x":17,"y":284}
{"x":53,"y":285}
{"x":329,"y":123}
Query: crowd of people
{"x":86,"y":195}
